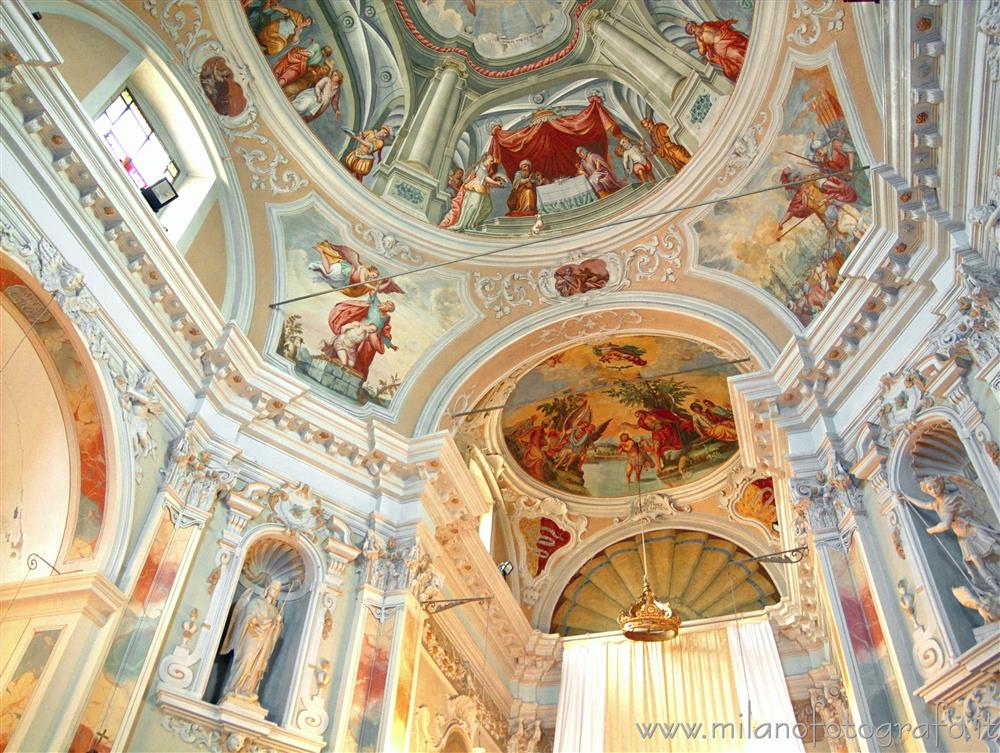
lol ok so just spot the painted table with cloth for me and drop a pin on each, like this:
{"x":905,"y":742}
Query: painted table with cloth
{"x":568,"y":193}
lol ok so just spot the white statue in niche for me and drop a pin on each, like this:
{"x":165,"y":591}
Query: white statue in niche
{"x":961,"y":506}
{"x":252,"y":635}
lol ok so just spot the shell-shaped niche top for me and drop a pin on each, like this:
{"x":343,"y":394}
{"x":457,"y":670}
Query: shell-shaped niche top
{"x":700,"y":575}
{"x":271,"y":559}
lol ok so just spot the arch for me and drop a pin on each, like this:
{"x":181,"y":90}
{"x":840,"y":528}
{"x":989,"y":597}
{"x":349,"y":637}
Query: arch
{"x":180,"y":104}
{"x":485,"y":356}
{"x":740,"y":535}
{"x":98,"y":514}
{"x":456,"y":741}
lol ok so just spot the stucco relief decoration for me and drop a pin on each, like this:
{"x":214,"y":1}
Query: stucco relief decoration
{"x":582,"y":276}
{"x":973,"y":329}
{"x":226,"y":86}
{"x":964,"y":510}
{"x":136,"y":388}
{"x":545,"y":529}
{"x":756,"y":502}
{"x":904,"y":398}
{"x":297,"y":510}
{"x":816,"y":15}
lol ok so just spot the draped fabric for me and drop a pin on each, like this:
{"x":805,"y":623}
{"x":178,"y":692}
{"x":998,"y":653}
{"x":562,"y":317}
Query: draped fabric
{"x":614,"y":692}
{"x":688,"y":680}
{"x":760,"y":684}
{"x":551,"y":145}
{"x":582,"y":698}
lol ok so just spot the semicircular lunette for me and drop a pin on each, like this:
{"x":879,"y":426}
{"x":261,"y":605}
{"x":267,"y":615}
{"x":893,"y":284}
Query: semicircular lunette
{"x":700,"y":575}
{"x":622,"y":414}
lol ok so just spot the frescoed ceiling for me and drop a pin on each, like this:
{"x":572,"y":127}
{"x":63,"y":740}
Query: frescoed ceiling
{"x":594,"y":213}
{"x":411,"y":98}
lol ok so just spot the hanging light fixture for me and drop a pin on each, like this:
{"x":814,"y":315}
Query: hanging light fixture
{"x":648,"y":619}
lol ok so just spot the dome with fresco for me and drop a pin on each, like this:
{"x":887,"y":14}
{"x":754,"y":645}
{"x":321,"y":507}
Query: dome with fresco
{"x":507,"y":118}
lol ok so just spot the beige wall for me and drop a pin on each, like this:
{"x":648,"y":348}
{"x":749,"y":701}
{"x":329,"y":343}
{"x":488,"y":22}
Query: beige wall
{"x":207,"y":255}
{"x":88,"y":54}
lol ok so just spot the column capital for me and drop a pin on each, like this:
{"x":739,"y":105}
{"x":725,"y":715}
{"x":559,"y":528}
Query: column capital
{"x":455,"y":64}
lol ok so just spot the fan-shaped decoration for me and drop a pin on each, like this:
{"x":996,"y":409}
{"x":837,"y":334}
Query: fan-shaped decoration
{"x":699,"y":574}
{"x":938,"y":451}
{"x":272,"y":558}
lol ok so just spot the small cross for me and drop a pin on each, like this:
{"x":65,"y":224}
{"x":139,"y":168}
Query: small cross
{"x":100,"y":737}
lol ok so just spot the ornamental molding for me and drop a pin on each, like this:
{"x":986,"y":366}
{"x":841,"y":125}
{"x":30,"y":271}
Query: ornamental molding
{"x":472,"y":698}
{"x":656,"y":258}
{"x":527,"y":508}
{"x":182,"y":22}
{"x":816,"y":16}
{"x":972,"y":328}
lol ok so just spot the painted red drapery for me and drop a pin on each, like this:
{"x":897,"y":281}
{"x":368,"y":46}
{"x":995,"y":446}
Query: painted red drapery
{"x":551,"y":145}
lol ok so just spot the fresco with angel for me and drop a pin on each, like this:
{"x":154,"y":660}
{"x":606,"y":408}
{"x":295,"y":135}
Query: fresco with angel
{"x":366,"y":331}
{"x":611,"y":416}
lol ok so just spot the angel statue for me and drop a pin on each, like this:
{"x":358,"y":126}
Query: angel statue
{"x":252,"y":636}
{"x":341,"y":267}
{"x":141,"y":405}
{"x":962,"y":508}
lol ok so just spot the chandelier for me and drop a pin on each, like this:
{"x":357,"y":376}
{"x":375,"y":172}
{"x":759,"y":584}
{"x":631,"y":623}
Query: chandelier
{"x":648,"y":619}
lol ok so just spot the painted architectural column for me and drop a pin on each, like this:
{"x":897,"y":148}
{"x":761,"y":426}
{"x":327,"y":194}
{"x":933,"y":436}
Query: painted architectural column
{"x":662,"y":70}
{"x":852,"y":636}
{"x":377,"y":697}
{"x":411,"y":179}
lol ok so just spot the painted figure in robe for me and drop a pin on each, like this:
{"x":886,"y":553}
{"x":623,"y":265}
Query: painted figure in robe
{"x":598,"y":172}
{"x":473,"y":205}
{"x":675,"y":155}
{"x":361,"y":159}
{"x":522,"y":201}
{"x":720,"y":44}
{"x":313,"y":102}
{"x":282,"y":28}
{"x":375,"y":341}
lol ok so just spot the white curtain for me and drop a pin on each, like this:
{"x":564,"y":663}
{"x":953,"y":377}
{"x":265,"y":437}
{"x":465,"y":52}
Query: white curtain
{"x":580,"y":716}
{"x":615,"y":691}
{"x":763,"y":694}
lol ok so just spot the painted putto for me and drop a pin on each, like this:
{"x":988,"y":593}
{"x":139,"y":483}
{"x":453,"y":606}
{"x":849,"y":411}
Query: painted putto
{"x":614,"y":417}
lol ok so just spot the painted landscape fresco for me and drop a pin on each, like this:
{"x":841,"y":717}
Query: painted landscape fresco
{"x":360,"y":340}
{"x":603,"y":419}
{"x":794,"y":242}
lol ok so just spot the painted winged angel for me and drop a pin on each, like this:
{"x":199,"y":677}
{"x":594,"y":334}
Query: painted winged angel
{"x":341,"y":267}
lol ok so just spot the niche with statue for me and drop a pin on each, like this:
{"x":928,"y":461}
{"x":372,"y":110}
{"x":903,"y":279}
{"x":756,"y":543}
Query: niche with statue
{"x":255,"y":665}
{"x":956,"y":528}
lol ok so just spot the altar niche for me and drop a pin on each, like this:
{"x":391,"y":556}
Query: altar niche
{"x":268,"y":618}
{"x":952,"y":522}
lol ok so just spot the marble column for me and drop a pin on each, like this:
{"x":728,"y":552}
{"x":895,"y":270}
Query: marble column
{"x":412,"y":178}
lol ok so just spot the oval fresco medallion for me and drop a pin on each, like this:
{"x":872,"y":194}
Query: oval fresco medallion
{"x":613,"y":416}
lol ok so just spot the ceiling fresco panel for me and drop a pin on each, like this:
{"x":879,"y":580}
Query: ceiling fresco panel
{"x":362,"y":337}
{"x":606,"y":417}
{"x":794,"y":242}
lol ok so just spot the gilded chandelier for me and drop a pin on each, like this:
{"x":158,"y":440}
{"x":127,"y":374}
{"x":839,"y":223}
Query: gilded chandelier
{"x":648,"y":619}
